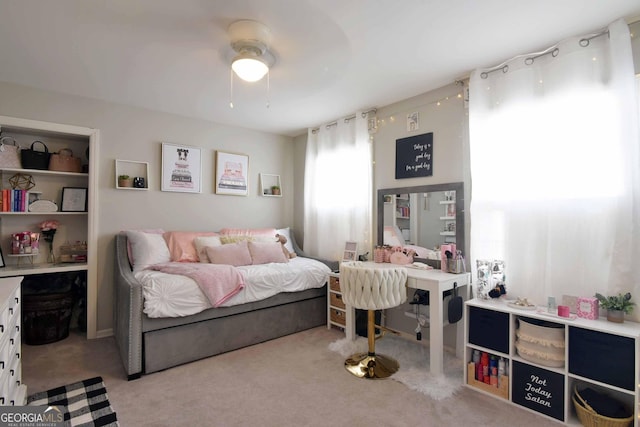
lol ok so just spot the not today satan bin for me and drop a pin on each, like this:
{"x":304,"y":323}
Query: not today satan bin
{"x":538,"y":389}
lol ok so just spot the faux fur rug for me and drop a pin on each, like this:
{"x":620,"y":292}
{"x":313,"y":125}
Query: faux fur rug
{"x":413,"y":358}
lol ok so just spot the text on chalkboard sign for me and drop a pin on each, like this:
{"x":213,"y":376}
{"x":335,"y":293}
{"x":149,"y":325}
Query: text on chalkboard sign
{"x":414,"y":156}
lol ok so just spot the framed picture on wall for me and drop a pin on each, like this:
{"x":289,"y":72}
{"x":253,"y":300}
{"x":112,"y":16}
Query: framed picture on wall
{"x":181,"y":168}
{"x":232,"y":171}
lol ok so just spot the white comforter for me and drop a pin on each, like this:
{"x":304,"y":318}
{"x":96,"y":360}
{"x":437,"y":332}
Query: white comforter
{"x":169,"y":295}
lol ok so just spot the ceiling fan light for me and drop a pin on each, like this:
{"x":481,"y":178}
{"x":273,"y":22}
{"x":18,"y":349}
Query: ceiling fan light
{"x":249,"y":67}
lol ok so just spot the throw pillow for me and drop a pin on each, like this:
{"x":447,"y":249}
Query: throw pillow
{"x":235,"y":254}
{"x":181,"y":244}
{"x":266,"y":252}
{"x":147,"y":249}
{"x":201,"y":243}
{"x":255,"y":234}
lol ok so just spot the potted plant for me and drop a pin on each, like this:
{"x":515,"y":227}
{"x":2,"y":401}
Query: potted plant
{"x":617,"y":306}
{"x":275,"y":190}
{"x":125,"y":181}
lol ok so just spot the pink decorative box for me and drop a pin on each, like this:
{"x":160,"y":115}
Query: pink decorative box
{"x":588,"y":308}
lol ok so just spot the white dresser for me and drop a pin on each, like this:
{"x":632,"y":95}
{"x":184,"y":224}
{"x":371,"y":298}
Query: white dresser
{"x":12,"y":391}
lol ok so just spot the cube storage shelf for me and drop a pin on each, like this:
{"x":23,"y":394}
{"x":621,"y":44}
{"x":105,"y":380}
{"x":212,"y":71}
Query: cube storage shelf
{"x":599,"y":354}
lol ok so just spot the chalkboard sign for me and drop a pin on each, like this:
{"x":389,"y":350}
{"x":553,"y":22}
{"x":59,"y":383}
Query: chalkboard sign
{"x":538,"y":389}
{"x":414,"y":156}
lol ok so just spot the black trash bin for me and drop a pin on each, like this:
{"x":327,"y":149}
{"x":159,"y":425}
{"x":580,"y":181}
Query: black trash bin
{"x":47,"y":305}
{"x":46,"y":317}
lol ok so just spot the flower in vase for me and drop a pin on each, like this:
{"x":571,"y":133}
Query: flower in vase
{"x":48,"y":225}
{"x":48,"y":230}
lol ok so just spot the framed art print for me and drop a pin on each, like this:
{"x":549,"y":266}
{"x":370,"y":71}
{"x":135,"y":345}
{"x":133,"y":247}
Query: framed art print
{"x":74,"y":199}
{"x":232,"y":171}
{"x":181,"y":168}
{"x":350,"y":251}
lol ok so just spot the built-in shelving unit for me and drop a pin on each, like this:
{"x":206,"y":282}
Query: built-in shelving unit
{"x":49,"y":185}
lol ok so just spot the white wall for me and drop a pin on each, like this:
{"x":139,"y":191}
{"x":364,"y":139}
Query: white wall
{"x":136,"y":134}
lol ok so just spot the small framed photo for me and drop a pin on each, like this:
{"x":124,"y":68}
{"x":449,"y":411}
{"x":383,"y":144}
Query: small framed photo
{"x":74,"y":199}
{"x":181,"y":168}
{"x":350,"y":251}
{"x":2,"y":264}
{"x":232,"y":171}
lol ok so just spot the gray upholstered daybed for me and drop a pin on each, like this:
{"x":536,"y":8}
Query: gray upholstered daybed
{"x":148,"y":344}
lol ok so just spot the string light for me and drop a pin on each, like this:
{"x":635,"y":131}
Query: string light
{"x":391,"y":118}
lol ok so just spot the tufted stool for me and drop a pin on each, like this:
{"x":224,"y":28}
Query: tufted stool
{"x":372,"y":286}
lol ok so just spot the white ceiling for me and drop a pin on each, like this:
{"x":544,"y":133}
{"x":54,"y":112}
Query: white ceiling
{"x":333,"y":57}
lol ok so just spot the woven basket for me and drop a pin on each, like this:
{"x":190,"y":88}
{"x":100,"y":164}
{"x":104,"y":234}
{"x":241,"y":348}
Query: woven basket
{"x":590,"y":418}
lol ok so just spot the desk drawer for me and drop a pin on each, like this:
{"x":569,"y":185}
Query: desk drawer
{"x":338,"y":316}
{"x":334,"y":284}
{"x":336,"y":300}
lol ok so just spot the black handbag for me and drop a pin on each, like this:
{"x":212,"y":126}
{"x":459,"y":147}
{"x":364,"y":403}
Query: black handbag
{"x":32,"y":159}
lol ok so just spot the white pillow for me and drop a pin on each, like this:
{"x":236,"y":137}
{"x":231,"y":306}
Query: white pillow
{"x":147,"y":249}
{"x":286,"y":233}
{"x":201,"y":244}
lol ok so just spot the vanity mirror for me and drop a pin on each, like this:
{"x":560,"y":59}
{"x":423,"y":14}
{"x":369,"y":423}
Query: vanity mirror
{"x":422,"y":217}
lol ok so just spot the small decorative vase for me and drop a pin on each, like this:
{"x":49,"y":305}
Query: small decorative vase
{"x":52,"y":257}
{"x":616,"y":316}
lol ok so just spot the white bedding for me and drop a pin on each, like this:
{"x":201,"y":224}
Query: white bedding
{"x":169,"y":295}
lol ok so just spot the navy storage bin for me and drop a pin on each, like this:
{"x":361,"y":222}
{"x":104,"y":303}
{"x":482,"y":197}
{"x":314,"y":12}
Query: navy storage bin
{"x":489,"y":329}
{"x":602,"y":357}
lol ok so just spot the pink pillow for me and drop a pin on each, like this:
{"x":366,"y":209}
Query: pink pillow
{"x":266,"y":252}
{"x":235,"y":254}
{"x":181,"y":244}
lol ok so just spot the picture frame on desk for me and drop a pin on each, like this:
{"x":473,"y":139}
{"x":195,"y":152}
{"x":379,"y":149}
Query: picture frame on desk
{"x":74,"y":199}
{"x":350,"y":251}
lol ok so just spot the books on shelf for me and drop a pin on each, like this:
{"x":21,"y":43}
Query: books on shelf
{"x":15,"y":200}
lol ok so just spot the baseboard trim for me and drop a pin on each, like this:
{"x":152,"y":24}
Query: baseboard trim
{"x":104,"y":333}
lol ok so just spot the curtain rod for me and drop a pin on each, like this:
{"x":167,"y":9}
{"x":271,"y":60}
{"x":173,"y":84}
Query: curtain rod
{"x":346,"y":120}
{"x":531,"y":57}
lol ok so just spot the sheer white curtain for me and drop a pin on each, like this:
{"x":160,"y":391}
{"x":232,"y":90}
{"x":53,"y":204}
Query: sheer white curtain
{"x":337,"y":188}
{"x":554,"y":169}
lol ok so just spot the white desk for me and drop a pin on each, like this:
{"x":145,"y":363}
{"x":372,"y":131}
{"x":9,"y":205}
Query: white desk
{"x":436,"y":282}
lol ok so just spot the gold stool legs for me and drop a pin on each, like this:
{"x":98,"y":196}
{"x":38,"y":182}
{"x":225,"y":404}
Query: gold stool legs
{"x":371,"y":365}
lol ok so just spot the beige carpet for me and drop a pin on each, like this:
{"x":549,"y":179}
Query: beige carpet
{"x":413,"y":358}
{"x":292,"y":381}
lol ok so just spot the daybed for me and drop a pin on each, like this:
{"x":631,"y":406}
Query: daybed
{"x":149,"y":344}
